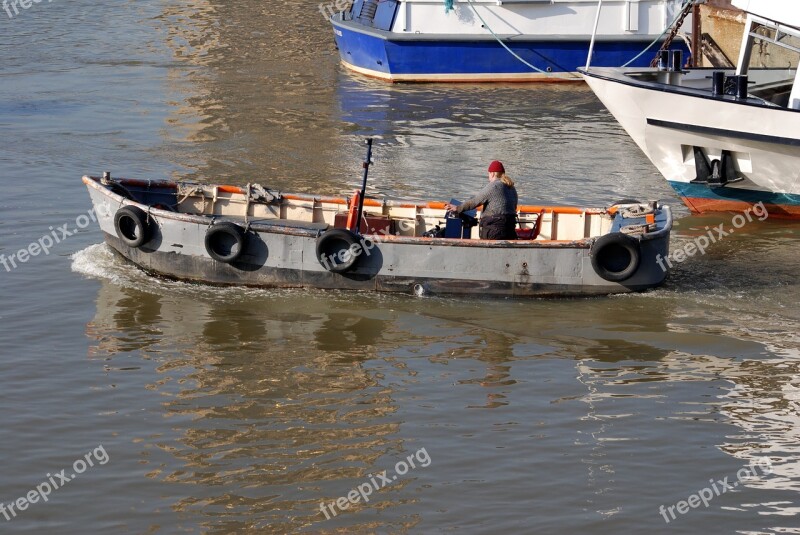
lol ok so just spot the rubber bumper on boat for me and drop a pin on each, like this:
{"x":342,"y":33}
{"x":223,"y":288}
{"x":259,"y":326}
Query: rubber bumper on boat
{"x":615,"y":256}
{"x":133,"y":226}
{"x":336,"y":251}
{"x":225,"y":242}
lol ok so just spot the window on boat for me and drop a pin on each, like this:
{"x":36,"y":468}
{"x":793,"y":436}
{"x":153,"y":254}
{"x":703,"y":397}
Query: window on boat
{"x":771,"y":64}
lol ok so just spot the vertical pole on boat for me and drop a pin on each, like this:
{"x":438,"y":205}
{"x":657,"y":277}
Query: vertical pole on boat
{"x":367,"y":162}
{"x":594,"y":34}
{"x":697,"y":31}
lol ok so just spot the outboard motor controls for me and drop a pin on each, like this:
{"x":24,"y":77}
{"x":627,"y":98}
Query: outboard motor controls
{"x":459,"y":225}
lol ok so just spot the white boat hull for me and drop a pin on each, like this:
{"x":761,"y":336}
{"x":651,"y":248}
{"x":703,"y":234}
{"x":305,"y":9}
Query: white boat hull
{"x":724,"y":140}
{"x":763,"y":141}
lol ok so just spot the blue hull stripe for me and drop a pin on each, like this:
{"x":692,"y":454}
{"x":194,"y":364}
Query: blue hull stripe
{"x":406,"y":57}
{"x":699,"y":191}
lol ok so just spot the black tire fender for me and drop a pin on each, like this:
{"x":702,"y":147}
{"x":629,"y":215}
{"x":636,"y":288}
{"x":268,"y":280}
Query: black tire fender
{"x":133,"y":226}
{"x":225,"y":242}
{"x":331,"y":247}
{"x":615,"y":256}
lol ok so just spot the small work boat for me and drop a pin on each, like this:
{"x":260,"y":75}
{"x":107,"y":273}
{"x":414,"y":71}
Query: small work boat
{"x":725,"y":139}
{"x":253,"y":236}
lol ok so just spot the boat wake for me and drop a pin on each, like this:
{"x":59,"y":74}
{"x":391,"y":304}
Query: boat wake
{"x":98,"y":261}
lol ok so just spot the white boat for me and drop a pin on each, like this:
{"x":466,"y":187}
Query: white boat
{"x":494,"y":40}
{"x":724,"y":139}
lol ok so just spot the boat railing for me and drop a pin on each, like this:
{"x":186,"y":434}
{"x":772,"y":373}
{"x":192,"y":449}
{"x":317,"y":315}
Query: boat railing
{"x":409,"y":218}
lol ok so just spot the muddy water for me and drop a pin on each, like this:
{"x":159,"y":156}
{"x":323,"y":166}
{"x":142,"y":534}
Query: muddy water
{"x":233,"y":411}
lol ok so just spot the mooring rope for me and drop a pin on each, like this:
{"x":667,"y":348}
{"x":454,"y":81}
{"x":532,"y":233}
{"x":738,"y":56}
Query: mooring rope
{"x":537,"y":69}
{"x":668,"y":28}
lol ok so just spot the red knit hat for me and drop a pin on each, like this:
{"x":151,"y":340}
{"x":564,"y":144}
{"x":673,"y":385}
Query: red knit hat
{"x":496,"y":167}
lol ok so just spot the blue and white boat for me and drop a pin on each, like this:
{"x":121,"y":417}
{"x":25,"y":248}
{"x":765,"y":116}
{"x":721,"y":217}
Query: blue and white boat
{"x":496,"y":40}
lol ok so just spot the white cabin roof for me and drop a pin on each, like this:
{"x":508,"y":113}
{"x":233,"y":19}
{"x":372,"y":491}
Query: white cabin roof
{"x":783,"y":11}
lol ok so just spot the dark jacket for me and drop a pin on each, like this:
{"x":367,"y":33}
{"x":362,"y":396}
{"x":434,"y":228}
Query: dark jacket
{"x":499,"y":215}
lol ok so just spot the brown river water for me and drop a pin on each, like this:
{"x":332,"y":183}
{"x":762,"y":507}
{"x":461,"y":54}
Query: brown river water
{"x":181,"y":408}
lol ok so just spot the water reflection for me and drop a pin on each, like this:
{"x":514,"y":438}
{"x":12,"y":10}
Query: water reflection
{"x":250,"y":95}
{"x":133,"y":324}
{"x":278,"y":400}
{"x":270,"y":103}
{"x":764,"y":401}
{"x":267,"y":424}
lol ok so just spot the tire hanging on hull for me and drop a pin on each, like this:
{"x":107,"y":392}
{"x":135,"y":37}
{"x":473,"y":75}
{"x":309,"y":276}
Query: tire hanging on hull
{"x":335,"y":250}
{"x":615,"y":256}
{"x":225,"y":242}
{"x":133,"y":226}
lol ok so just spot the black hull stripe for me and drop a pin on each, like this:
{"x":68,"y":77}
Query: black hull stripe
{"x":707,"y":130}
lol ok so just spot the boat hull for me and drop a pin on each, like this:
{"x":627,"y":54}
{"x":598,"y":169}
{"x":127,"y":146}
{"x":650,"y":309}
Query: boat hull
{"x":668,"y":124}
{"x":190,"y":268}
{"x":470,"y":58}
{"x":286,"y":257}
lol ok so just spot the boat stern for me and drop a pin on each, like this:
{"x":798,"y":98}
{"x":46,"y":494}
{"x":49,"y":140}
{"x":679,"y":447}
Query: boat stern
{"x":363,"y":47}
{"x":633,"y":253}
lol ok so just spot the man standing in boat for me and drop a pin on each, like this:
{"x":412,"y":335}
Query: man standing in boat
{"x":499,"y":200}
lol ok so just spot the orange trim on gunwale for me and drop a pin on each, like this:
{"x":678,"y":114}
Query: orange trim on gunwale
{"x":94,"y":182}
{"x":433,"y":205}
